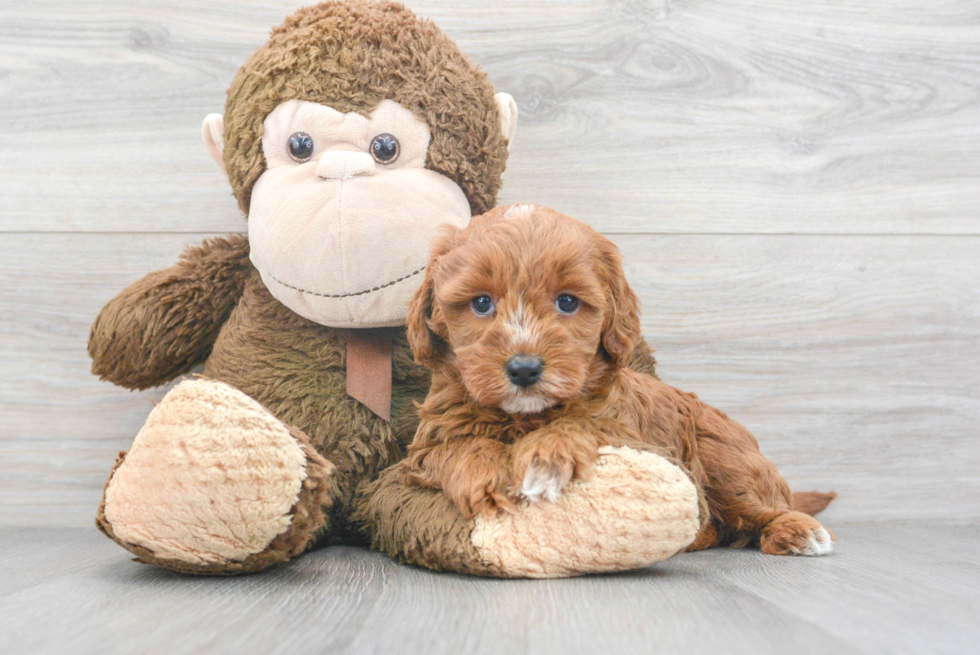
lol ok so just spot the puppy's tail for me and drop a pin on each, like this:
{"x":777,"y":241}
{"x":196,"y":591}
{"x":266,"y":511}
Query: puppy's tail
{"x":812,"y":502}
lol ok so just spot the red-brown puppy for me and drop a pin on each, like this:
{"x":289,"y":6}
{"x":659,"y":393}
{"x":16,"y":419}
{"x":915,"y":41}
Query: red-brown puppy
{"x":527,"y":323}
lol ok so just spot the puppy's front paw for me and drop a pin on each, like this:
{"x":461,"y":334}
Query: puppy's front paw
{"x":545,"y":462}
{"x":481,"y":487}
{"x":542,"y":482}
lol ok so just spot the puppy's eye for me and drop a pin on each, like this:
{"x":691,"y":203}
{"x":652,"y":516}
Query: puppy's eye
{"x":482,"y":305}
{"x":385,"y":149}
{"x":567,"y":304}
{"x":301,"y":146}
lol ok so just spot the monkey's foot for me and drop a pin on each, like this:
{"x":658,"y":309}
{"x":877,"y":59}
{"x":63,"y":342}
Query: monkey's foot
{"x":215,"y":484}
{"x":636,"y":509}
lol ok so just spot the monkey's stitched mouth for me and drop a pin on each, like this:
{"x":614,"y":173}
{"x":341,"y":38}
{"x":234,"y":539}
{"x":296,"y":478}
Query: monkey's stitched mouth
{"x":351,"y":294}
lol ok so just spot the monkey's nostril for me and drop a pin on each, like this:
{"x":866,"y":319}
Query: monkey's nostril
{"x":524,"y":370}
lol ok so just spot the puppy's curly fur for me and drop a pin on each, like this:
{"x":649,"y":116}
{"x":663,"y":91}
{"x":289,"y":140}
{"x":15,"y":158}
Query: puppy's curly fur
{"x":552,"y":291}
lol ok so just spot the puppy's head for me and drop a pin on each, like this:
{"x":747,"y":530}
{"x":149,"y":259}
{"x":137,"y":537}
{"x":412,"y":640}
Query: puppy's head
{"x":531,"y":307}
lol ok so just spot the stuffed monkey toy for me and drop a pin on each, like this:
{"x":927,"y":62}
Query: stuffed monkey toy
{"x":348,"y":138}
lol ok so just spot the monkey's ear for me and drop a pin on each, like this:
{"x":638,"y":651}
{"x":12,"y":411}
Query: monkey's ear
{"x":621,"y":325}
{"x":508,"y":116}
{"x":213,"y":133}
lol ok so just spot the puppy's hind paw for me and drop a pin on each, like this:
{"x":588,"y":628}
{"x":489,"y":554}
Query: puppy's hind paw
{"x":818,"y":543}
{"x":542,"y":482}
{"x":795,"y":533}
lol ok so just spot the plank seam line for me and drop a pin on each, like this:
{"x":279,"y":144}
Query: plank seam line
{"x":959,"y":235}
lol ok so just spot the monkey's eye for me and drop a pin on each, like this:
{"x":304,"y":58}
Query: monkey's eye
{"x":482,"y":305}
{"x":567,"y":304}
{"x":385,"y":149}
{"x":301,"y":146}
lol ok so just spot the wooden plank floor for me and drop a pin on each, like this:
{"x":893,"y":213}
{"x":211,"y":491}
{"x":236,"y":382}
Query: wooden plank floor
{"x":889,"y":588}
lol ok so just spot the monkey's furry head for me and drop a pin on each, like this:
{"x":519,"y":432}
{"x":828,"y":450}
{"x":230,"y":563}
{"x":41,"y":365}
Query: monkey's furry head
{"x":351,"y":55}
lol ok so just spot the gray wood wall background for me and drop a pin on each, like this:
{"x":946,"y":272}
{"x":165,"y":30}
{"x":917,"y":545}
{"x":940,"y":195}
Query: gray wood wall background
{"x":796,"y":187}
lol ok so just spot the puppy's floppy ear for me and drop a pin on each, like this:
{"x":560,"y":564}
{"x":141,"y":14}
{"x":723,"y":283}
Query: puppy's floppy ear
{"x":621,"y":324}
{"x":427,"y":345}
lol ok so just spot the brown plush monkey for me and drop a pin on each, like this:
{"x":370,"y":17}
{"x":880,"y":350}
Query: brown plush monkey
{"x":347,"y":138}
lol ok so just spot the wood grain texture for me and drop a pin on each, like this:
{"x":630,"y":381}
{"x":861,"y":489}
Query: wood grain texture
{"x":853,"y":360}
{"x":887,"y":589}
{"x":796,"y":188}
{"x":657,"y":116}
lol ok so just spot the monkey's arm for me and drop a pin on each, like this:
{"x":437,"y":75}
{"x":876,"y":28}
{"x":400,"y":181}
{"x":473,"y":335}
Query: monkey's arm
{"x":166,"y":323}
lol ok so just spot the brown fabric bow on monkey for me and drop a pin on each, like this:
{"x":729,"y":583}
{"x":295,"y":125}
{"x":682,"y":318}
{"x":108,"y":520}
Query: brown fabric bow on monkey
{"x":347,"y":138}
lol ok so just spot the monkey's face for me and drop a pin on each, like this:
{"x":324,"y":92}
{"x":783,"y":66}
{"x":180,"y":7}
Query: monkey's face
{"x":341,"y":222}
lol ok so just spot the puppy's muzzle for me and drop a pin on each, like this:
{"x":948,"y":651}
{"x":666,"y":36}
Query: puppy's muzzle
{"x":524,"y":370}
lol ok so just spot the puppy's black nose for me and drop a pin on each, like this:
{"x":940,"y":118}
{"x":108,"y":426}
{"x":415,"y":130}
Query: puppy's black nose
{"x":524,"y":370}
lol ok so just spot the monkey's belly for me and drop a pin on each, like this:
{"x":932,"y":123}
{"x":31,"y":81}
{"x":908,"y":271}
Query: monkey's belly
{"x":296,"y":369}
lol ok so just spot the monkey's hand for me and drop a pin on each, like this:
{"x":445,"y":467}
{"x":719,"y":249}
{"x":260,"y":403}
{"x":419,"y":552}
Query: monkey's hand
{"x":165,"y":324}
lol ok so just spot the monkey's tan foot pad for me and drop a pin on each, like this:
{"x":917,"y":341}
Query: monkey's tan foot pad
{"x":635,"y":510}
{"x":215,"y":484}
